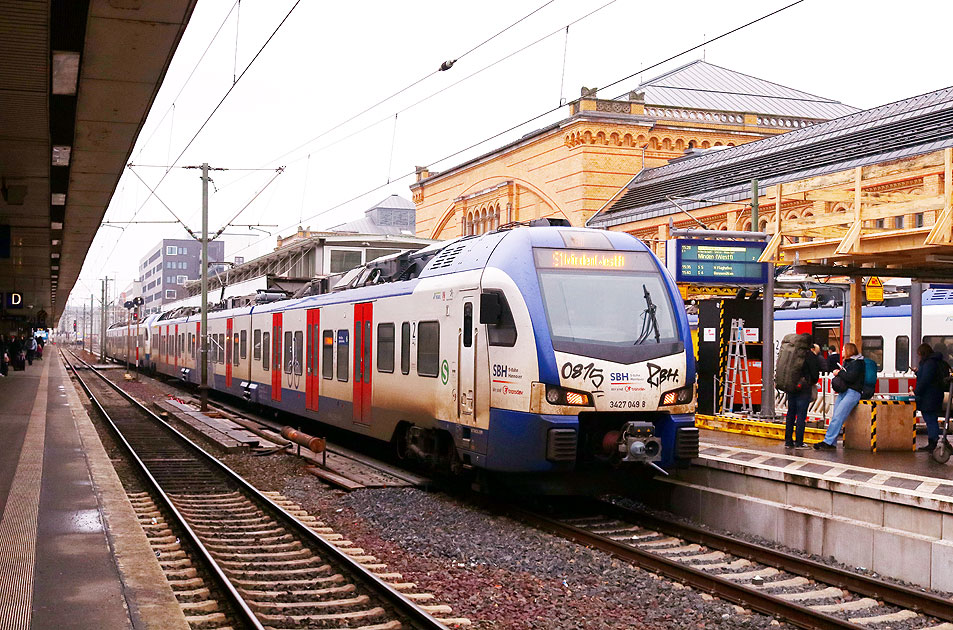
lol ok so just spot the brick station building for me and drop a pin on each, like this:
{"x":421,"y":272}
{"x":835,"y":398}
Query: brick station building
{"x":577,"y":166}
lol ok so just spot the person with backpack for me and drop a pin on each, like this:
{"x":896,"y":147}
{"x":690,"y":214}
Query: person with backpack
{"x":807,"y":367}
{"x":849,"y":383}
{"x":931,"y":384}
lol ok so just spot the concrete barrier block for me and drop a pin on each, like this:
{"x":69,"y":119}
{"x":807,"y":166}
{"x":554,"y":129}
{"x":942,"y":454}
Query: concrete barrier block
{"x":727,"y":481}
{"x":693,"y":474}
{"x":759,"y":518}
{"x":947,"y":525}
{"x":685,"y":500}
{"x":719,"y":510}
{"x":849,"y":542}
{"x":803,"y":530}
{"x":858,"y":508}
{"x":913,"y":519}
{"x":766,"y":489}
{"x":810,"y":498}
{"x":941,"y":566}
{"x":902,"y":556}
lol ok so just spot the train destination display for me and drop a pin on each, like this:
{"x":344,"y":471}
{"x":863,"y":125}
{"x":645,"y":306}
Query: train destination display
{"x":716,"y":262}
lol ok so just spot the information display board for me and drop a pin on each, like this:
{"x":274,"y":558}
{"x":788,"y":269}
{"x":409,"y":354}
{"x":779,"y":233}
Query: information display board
{"x":704,"y":261}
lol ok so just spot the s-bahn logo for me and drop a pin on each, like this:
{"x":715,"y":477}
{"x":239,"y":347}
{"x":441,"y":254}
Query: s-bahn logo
{"x":445,"y":372}
{"x":659,"y":375}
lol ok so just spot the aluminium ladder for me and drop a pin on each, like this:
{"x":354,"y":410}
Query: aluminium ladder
{"x":736,"y":371}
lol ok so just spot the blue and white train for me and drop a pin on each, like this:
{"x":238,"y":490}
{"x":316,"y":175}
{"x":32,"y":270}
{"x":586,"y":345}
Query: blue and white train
{"x":551,"y":351}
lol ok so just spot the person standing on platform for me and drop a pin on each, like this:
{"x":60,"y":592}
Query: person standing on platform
{"x":30,"y":349}
{"x":800,"y":399}
{"x":931,"y":384}
{"x":833,"y":359}
{"x":821,"y":359}
{"x":848,"y":382}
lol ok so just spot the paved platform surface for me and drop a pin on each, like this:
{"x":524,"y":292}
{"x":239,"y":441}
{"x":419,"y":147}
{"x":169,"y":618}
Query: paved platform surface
{"x":60,"y":566}
{"x":907,"y":462}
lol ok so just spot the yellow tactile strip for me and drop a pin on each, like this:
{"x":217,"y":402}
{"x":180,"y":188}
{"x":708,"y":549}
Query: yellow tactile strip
{"x":144,"y":585}
{"x":18,"y":525}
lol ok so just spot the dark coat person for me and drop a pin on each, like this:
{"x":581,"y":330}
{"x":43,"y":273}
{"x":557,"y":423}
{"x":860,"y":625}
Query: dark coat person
{"x":800,"y":400}
{"x":931,"y":385}
{"x":833,"y":359}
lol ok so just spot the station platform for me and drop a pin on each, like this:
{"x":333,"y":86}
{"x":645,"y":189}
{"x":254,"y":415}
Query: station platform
{"x":920,"y":464}
{"x":72,"y":553}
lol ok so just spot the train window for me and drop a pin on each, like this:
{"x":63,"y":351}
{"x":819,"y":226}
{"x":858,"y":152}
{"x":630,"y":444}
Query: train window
{"x":256,"y":345}
{"x":902,"y":347}
{"x":503,"y":331}
{"x":289,"y":357}
{"x":265,"y":343}
{"x":385,"y":348}
{"x":468,"y":324}
{"x":298,"y":352}
{"x":344,"y":355}
{"x":428,"y":348}
{"x":221,"y":348}
{"x":405,"y":348}
{"x":327,"y":354}
{"x":243,"y":346}
{"x":873,"y":348}
{"x":235,"y":349}
{"x":942,"y":344}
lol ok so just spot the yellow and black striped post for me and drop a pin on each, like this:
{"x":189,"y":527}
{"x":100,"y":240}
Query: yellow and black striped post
{"x":873,"y":427}
{"x":722,"y":358}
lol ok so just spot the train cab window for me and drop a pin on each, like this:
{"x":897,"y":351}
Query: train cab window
{"x":385,"y":348}
{"x":256,"y":345}
{"x":405,"y":348}
{"x":468,"y":324}
{"x":298,"y":363}
{"x":902,"y":348}
{"x":344,"y":355}
{"x":428,"y":348}
{"x":265,"y":343}
{"x":327,"y":354}
{"x":288,"y":352}
{"x":501,"y":331}
{"x":873,"y":348}
{"x":243,"y":345}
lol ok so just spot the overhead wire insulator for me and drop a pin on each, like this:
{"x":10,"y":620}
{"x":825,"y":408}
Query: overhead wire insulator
{"x":446,"y":65}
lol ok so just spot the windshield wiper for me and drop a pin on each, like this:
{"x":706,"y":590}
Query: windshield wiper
{"x":649,"y":320}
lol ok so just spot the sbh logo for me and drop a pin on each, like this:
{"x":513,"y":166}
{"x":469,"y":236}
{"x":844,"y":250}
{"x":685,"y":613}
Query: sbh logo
{"x":13,"y":300}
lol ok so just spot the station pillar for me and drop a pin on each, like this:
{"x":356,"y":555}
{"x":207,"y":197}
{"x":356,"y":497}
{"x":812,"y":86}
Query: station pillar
{"x":916,"y":320}
{"x":856,"y":302}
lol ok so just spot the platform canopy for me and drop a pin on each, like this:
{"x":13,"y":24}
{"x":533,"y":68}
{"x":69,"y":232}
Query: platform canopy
{"x":77,"y":80}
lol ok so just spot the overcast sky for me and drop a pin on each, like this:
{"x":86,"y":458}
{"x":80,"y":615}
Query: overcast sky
{"x":330,"y":61}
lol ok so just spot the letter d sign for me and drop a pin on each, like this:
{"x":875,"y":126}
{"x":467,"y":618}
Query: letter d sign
{"x":14,"y":300}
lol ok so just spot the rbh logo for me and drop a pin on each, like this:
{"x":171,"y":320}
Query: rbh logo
{"x":659,"y":375}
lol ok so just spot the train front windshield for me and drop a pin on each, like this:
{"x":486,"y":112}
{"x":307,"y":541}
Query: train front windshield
{"x":605,"y":299}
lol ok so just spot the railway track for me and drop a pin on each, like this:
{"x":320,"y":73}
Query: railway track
{"x":264,"y":556}
{"x":805,"y":593}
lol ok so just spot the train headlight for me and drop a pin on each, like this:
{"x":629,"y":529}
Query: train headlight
{"x":681,"y":396}
{"x":562,"y":396}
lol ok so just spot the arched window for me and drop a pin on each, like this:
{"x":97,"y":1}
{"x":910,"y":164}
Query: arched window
{"x":469,"y":223}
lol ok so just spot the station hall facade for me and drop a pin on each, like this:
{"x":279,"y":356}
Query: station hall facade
{"x":576,"y":167}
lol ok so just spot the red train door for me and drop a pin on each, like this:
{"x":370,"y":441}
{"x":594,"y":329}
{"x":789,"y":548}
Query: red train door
{"x":228,"y":352}
{"x":363,"y":319}
{"x":177,"y":344}
{"x":198,"y":349}
{"x":276,"y":365}
{"x":312,"y":351}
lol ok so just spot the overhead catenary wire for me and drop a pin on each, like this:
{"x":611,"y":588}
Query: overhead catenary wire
{"x":541,"y":115}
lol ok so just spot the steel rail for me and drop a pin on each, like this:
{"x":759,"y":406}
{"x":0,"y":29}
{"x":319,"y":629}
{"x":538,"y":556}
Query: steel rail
{"x":237,"y":600}
{"x":896,"y":594}
{"x":403,"y":605}
{"x":750,"y":597}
